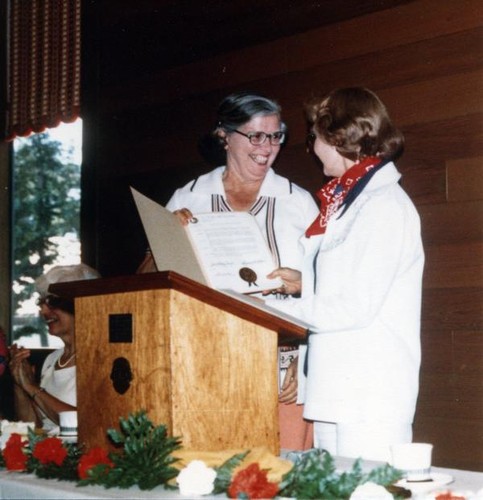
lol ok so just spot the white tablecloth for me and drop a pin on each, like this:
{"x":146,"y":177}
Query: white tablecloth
{"x":27,"y":486}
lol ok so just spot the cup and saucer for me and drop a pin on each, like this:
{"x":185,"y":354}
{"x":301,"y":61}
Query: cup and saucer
{"x":414,"y":460}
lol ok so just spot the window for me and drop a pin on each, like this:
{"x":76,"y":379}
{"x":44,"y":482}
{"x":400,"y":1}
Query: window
{"x":45,"y":213}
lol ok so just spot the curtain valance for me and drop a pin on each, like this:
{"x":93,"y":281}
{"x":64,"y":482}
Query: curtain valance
{"x":43,"y":65}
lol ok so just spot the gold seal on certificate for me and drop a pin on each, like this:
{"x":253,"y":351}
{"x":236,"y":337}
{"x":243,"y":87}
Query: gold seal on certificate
{"x":248,"y":275}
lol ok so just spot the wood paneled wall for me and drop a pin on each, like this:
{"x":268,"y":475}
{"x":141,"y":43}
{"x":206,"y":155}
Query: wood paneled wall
{"x":424,"y":59}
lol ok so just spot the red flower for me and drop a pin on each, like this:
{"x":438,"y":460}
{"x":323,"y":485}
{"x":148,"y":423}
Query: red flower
{"x":252,"y":483}
{"x":93,"y":457}
{"x":15,"y":458}
{"x":50,"y":450}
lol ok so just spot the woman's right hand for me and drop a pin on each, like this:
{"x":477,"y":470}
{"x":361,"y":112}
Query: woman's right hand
{"x":184,"y":215}
{"x":292,"y":280}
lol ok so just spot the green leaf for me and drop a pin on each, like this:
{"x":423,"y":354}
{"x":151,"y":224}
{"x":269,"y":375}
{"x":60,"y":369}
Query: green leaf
{"x":314,"y":476}
{"x":146,"y":458}
{"x":225,"y":470}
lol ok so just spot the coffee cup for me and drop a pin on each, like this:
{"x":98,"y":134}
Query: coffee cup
{"x":413,"y":460}
{"x":68,"y":423}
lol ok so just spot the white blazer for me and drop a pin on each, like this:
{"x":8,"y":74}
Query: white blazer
{"x":362,"y":285}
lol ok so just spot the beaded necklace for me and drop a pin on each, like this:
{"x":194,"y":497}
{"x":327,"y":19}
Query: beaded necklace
{"x":63,"y":365}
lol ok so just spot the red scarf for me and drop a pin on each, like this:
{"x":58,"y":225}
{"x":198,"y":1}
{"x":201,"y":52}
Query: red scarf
{"x":333,"y":194}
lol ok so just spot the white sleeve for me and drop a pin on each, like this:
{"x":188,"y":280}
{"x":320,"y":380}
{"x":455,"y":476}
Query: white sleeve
{"x":354,"y":278}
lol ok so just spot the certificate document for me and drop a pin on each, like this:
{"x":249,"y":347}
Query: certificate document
{"x":224,"y":250}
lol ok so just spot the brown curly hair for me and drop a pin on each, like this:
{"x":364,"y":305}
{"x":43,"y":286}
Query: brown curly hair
{"x":357,"y":123}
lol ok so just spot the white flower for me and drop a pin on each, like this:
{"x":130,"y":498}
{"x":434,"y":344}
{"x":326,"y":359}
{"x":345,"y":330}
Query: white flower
{"x":196,"y":479}
{"x":8,"y":428}
{"x":370,"y":491}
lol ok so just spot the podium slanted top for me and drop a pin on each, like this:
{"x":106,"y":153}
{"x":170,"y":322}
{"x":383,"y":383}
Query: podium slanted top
{"x":289,"y":328}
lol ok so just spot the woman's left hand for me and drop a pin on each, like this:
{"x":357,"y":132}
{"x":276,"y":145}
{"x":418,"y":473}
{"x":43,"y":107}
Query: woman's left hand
{"x":21,"y":370}
{"x":288,"y":394}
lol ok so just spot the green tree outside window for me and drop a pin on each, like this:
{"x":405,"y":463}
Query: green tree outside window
{"x":46,"y":204}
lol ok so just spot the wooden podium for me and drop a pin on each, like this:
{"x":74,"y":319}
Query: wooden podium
{"x":199,"y":361}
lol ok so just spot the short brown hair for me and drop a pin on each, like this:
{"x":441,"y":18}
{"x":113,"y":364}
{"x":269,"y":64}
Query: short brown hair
{"x":357,"y":123}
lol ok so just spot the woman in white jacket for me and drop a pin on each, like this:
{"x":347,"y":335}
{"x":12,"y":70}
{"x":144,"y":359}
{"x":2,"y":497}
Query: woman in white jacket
{"x":361,"y":283}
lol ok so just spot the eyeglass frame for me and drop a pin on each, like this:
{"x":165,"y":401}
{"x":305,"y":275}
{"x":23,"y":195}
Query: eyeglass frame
{"x":55,"y":302}
{"x":250,"y":135}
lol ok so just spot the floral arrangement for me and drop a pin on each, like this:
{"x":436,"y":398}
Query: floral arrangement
{"x":140,"y":444}
{"x":146,"y":457}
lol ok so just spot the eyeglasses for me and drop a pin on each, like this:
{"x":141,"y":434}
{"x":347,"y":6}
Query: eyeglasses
{"x":56,"y":302}
{"x":258,"y":138}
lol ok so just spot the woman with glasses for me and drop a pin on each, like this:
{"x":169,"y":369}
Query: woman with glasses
{"x":247,"y":137}
{"x":56,"y":392}
{"x":361,"y":286}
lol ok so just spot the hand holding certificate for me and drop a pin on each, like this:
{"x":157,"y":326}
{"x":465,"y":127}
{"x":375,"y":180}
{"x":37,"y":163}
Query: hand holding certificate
{"x":224,"y":250}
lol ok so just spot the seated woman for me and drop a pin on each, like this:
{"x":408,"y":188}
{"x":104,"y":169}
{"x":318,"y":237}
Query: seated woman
{"x":56,"y":392}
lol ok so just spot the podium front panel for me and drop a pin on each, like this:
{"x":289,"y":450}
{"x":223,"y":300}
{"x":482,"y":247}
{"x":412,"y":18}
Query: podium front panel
{"x":208,"y":375}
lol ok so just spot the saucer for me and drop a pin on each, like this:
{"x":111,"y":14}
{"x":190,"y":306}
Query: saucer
{"x":438,"y":480}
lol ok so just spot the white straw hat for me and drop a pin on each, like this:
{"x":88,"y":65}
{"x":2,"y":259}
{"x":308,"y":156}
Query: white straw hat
{"x":59,"y":274}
